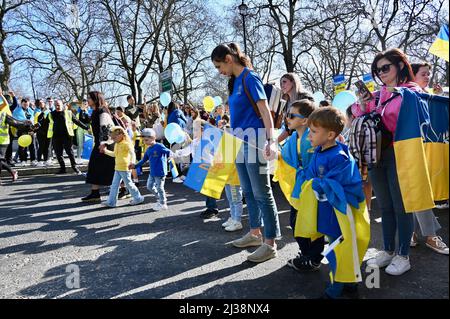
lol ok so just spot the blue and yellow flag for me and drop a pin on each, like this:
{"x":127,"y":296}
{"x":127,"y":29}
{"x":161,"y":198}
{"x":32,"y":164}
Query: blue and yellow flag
{"x":340,"y":214}
{"x":421,"y":150}
{"x":213,"y":163}
{"x":440,"y":46}
{"x":290,"y":165}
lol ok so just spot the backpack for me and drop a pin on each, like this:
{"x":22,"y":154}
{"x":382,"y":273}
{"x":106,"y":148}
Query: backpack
{"x":277,"y":105}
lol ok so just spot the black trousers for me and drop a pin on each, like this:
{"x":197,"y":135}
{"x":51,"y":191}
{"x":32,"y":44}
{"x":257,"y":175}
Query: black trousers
{"x":23,"y":154}
{"x":61,"y":143}
{"x":43,"y":147}
{"x":308,"y":248}
{"x":8,"y":154}
{"x":3,"y":163}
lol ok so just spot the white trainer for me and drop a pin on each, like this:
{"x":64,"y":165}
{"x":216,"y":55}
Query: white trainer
{"x":227,"y":223}
{"x":398,"y":266}
{"x":158,"y":207}
{"x":381,"y":260}
{"x":34,"y":163}
{"x":234,"y":226}
{"x":178,"y":180}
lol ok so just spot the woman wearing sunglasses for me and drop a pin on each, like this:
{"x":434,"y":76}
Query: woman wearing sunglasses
{"x":394,"y":70}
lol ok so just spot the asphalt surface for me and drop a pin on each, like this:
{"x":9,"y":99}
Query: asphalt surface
{"x":47,"y":234}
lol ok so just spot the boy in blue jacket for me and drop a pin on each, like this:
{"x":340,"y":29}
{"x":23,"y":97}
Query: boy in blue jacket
{"x":156,"y":154}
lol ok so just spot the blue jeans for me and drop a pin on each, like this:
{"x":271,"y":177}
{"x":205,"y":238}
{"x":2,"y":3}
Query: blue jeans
{"x":155,"y":185}
{"x":211,"y":203}
{"x":255,"y":183}
{"x":234,"y":197}
{"x":126,"y":177}
{"x":387,"y":190}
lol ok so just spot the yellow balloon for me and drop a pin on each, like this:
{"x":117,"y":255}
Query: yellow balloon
{"x":25,"y":140}
{"x":208,"y":103}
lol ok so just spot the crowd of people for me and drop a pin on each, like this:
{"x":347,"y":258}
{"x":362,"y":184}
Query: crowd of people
{"x":322,"y":137}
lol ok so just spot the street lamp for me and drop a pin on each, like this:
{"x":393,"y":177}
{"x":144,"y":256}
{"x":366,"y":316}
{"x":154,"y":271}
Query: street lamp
{"x":243,"y":11}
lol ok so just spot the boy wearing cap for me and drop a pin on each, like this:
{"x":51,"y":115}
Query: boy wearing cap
{"x":156,"y":154}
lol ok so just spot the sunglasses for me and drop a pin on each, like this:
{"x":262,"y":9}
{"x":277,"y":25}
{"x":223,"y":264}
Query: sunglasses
{"x":384,"y":69}
{"x":292,"y":116}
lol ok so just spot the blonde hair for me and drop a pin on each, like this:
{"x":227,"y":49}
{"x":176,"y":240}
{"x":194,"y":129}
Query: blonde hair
{"x":297,"y":84}
{"x":116,"y":130}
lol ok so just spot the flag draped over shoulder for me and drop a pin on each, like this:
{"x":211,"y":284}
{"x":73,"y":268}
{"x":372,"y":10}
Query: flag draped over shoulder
{"x":289,"y":165}
{"x":348,"y":223}
{"x":421,"y":150}
{"x":213,"y":164}
{"x":440,"y":46}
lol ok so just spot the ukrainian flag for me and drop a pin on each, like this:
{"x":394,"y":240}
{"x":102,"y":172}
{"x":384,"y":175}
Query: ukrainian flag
{"x":346,"y":223}
{"x":440,"y":46}
{"x":214,"y":163}
{"x":421,"y":150}
{"x":289,"y":166}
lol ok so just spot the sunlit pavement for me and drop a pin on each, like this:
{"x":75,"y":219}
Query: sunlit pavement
{"x":48,"y":237}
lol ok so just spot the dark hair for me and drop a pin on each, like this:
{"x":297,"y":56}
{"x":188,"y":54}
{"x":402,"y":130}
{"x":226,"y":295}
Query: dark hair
{"x":37,"y":102}
{"x":193,"y":109}
{"x":172,"y":107}
{"x":25,"y":99}
{"x":130,"y":97}
{"x":324,"y":103}
{"x":305,"y":107}
{"x":226,"y":118}
{"x":99,"y":101}
{"x":119,"y":108}
{"x":220,"y":53}
{"x":349,"y":112}
{"x":416,"y":66}
{"x":395,"y":56}
{"x":329,"y":118}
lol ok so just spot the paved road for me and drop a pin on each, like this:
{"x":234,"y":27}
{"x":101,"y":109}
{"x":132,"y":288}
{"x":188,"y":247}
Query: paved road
{"x":46,"y":234}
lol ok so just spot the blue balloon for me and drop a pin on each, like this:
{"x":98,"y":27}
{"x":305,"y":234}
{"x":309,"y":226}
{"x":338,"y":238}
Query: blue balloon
{"x":165,"y":99}
{"x":218,"y":101}
{"x":319,"y":97}
{"x":180,"y":138}
{"x":87,"y":146}
{"x":344,"y":99}
{"x":172,"y":132}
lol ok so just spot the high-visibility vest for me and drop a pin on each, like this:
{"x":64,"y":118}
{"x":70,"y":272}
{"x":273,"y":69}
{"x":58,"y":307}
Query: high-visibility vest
{"x":74,"y":125}
{"x":4,"y":134}
{"x":69,"y":123}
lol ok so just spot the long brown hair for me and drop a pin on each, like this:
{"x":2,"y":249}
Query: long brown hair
{"x":395,"y":56}
{"x":220,"y":53}
{"x":99,"y":101}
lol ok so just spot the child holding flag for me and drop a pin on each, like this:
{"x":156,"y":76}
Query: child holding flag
{"x":295,"y":157}
{"x":332,"y":202}
{"x":156,"y":154}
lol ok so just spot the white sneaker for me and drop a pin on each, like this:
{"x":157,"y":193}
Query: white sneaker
{"x":40,"y":164}
{"x":22,"y":164}
{"x":178,"y":180}
{"x":442,"y":206}
{"x":183,"y":178}
{"x":34,"y":163}
{"x":134,"y":202}
{"x":158,"y":206}
{"x":234,"y":226}
{"x":381,"y":260}
{"x":228,"y":222}
{"x":49,"y":162}
{"x":398,"y":266}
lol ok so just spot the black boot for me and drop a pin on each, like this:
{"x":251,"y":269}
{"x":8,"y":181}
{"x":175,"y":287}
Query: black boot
{"x":94,"y":196}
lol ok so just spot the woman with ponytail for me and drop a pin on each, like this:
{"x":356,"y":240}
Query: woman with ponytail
{"x":250,"y":119}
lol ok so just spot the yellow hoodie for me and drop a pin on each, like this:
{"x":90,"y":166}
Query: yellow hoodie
{"x":124,"y":154}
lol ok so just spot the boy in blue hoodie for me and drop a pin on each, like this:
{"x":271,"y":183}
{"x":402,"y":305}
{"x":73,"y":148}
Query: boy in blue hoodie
{"x":156,"y":154}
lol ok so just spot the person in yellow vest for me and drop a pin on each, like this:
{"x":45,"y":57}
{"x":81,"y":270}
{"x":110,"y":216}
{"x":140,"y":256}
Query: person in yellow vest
{"x":60,"y":130}
{"x":6,"y":120}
